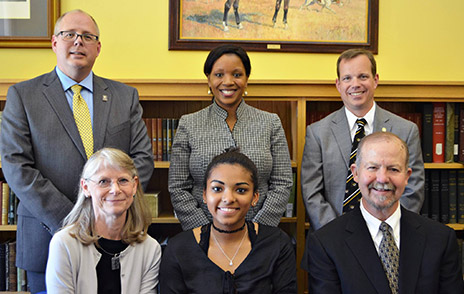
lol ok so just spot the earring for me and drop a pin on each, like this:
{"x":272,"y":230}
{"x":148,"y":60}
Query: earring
{"x":245,"y":93}
{"x":209,"y":91}
{"x":134,"y":195}
{"x":253,"y":204}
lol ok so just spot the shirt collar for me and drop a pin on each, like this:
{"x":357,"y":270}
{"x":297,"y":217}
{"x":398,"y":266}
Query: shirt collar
{"x":67,"y":82}
{"x":223,"y":113}
{"x":369,"y":117}
{"x":373,"y":223}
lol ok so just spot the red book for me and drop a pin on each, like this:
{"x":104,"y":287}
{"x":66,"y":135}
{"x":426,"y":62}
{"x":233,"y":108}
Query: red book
{"x":159,"y":138}
{"x":438,"y":126}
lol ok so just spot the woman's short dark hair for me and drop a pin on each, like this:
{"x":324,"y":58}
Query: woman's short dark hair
{"x":233,"y":156}
{"x":217,"y":52}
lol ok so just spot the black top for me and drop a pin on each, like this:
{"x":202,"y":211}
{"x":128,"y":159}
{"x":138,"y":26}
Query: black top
{"x":109,"y":281}
{"x":269,"y":267}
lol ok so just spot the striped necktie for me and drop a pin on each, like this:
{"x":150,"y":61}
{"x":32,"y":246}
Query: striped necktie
{"x":390,"y":256}
{"x":352,"y":193}
{"x":82,"y":118}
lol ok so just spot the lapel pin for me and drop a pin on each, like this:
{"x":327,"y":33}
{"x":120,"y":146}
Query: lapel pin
{"x":105,"y":98}
{"x":384,"y":130}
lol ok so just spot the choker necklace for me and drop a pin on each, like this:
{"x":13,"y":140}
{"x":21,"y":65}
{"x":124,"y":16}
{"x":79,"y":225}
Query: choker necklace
{"x":238,"y":248}
{"x":115,"y":265}
{"x":229,"y":232}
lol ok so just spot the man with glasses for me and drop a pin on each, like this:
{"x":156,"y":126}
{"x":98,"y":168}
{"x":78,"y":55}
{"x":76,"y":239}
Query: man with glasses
{"x":52,"y":124}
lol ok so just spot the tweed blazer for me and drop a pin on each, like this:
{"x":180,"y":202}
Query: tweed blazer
{"x":204,"y":134}
{"x":326,"y":161}
{"x":43,"y":155}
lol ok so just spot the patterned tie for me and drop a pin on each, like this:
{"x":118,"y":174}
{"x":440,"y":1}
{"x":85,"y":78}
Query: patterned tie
{"x":82,"y":118}
{"x":390,"y":256}
{"x":352,"y":192}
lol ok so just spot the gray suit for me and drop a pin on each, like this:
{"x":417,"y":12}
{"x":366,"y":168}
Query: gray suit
{"x":43,"y":155}
{"x":326,"y":160}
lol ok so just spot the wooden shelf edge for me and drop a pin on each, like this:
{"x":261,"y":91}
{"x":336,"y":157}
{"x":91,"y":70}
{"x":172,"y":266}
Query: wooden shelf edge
{"x":8,"y":228}
{"x":450,"y":165}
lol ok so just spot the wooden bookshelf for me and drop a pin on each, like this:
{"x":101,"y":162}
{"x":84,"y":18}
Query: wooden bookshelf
{"x":292,"y":100}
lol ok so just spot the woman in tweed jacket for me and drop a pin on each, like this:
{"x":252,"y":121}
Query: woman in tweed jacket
{"x":229,"y":122}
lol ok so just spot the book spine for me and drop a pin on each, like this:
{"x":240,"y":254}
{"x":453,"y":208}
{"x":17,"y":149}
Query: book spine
{"x":159,"y":138}
{"x":438,"y":132}
{"x":460,"y":208}
{"x":12,"y":278}
{"x":154,"y":139}
{"x":425,"y":210}
{"x":435,"y":195}
{"x":452,"y":196}
{"x":164,"y":138}
{"x":444,"y":196}
{"x":456,"y":132}
{"x":5,"y":199}
{"x":427,"y":134}
{"x":449,"y":135}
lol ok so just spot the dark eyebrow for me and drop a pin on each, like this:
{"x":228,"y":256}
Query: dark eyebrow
{"x":217,"y":181}
{"x":244,"y":183}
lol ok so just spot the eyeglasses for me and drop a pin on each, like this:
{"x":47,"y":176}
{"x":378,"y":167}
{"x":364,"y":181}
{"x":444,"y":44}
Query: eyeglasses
{"x":70,"y":36}
{"x":106,"y":183}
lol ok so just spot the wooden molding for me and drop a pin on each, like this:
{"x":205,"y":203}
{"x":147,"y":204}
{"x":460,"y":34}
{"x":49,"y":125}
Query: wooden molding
{"x":289,"y":89}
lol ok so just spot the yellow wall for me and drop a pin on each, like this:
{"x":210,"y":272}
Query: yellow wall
{"x":419,"y":40}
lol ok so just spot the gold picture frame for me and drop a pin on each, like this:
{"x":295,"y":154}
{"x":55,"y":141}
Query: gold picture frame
{"x":317,"y":26}
{"x":27,"y":23}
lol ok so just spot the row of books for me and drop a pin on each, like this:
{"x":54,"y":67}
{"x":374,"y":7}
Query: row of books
{"x":443,"y":132}
{"x":8,"y":205}
{"x":11,"y":277}
{"x":440,"y":124}
{"x":444,"y":195}
{"x":161,"y":132}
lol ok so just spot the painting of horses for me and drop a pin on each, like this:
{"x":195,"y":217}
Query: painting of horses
{"x":274,"y":25}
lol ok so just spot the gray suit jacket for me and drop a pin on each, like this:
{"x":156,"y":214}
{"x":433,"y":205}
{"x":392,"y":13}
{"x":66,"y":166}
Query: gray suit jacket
{"x":341,"y":258}
{"x":326,"y":160}
{"x":43,"y":155}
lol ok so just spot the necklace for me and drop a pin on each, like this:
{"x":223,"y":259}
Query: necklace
{"x":228,"y":232}
{"x":238,"y":248}
{"x":115,"y":265}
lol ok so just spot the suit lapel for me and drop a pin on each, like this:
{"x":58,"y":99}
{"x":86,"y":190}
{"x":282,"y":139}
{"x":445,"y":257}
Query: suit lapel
{"x":102,"y":100}
{"x":412,"y":243}
{"x":341,"y":131}
{"x":381,"y":120}
{"x":361,"y":245}
{"x":53,"y":92}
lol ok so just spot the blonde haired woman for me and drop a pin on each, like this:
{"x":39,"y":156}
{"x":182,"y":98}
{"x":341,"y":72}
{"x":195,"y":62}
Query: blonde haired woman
{"x":103,"y":246}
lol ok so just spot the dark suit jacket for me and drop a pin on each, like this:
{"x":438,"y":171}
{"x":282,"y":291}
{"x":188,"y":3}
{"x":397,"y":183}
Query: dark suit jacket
{"x":326,"y":159}
{"x":341,"y":257}
{"x":43,"y":155}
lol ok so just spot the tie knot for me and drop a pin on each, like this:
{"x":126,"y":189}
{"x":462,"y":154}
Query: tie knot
{"x":361,"y":122}
{"x":76,"y":89}
{"x":384,"y":227}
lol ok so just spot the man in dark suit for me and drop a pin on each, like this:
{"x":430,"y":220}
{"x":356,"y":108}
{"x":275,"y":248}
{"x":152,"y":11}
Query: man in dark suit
{"x":349,"y":254}
{"x":326,"y":156}
{"x":41,"y":146}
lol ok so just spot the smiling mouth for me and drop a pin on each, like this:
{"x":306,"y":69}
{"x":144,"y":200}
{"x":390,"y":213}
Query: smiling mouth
{"x":357,"y":93}
{"x":227,"y":209}
{"x":228,"y":92}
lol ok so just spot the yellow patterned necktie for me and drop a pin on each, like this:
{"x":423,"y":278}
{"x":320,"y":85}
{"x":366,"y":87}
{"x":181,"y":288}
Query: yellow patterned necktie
{"x":82,"y":118}
{"x":390,"y":256}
